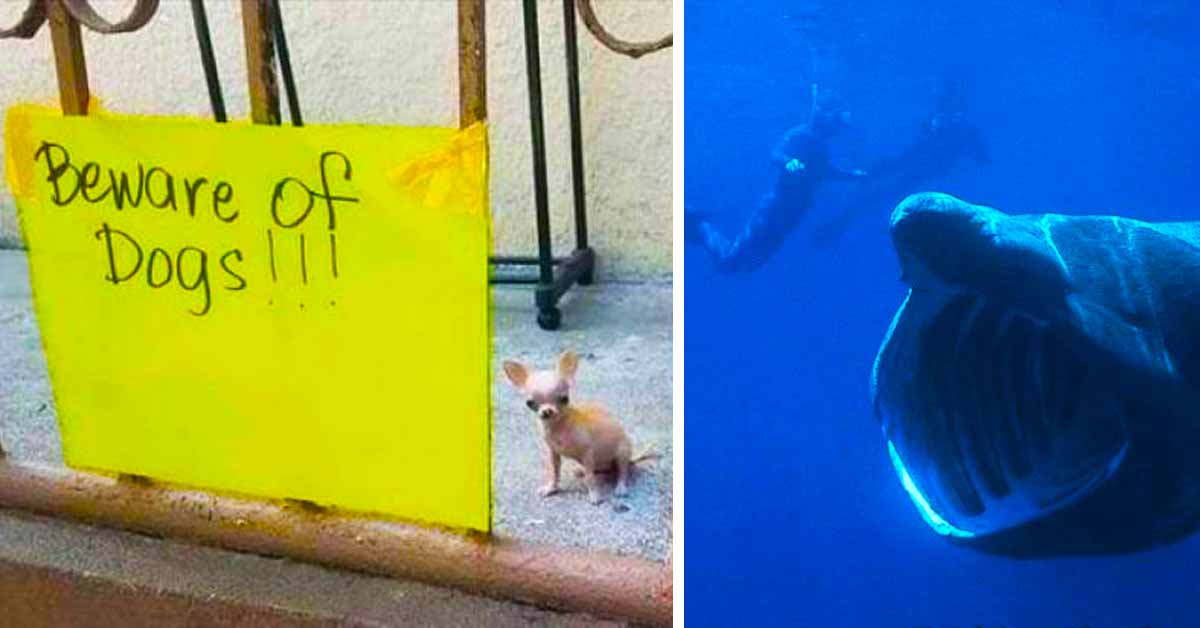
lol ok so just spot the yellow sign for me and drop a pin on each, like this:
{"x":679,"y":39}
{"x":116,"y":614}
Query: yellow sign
{"x":273,"y":311}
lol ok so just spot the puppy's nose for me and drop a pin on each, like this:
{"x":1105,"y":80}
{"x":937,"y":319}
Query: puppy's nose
{"x":546,"y":412}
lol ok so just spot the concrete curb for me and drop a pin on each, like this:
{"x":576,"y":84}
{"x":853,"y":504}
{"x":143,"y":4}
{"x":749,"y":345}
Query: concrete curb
{"x":598,"y":583}
{"x":39,"y":596}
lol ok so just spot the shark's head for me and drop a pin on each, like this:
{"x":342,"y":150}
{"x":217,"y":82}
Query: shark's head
{"x":996,"y":410}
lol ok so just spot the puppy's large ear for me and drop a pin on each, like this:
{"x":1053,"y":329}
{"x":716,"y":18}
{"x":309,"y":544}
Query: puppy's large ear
{"x":567,"y":363}
{"x":516,"y":372}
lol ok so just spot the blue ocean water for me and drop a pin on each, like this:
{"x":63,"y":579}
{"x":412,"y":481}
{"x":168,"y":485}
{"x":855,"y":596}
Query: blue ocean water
{"x":794,"y":514}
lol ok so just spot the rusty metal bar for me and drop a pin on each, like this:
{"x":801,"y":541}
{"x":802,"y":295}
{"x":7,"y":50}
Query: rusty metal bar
{"x":69,"y":62}
{"x":472,"y":63}
{"x":260,"y":61}
{"x":599,"y":583}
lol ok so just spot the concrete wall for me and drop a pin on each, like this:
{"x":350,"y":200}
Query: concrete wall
{"x":395,"y":62}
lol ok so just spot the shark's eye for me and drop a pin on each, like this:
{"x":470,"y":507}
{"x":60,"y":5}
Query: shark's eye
{"x":564,"y":400}
{"x":531,"y":404}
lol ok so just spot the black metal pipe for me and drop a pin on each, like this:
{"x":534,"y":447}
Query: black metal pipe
{"x":513,"y":280}
{"x":577,"y":180}
{"x":208,"y":60}
{"x":580,"y":263}
{"x":533,"y":69}
{"x":285,"y":64}
{"x":520,"y":260}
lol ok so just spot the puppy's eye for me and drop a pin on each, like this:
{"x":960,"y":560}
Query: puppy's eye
{"x":531,"y":404}
{"x":564,"y":400}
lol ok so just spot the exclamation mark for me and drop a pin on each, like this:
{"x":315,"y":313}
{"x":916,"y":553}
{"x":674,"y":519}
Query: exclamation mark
{"x":333,"y":252}
{"x":271,"y":247}
{"x":303,"y":259}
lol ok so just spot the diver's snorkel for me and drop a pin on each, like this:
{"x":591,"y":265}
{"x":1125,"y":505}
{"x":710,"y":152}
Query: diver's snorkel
{"x":812,"y":106}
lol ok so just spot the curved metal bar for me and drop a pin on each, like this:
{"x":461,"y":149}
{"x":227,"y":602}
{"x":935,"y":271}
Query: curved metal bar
{"x":29,"y":24}
{"x":82,"y":10}
{"x":631,"y":49}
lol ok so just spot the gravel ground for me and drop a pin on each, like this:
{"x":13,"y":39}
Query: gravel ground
{"x":28,"y":428}
{"x":621,"y":331}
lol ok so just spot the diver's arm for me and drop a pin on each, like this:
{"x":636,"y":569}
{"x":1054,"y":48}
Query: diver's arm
{"x":795,"y":165}
{"x":787,"y":151}
{"x":851,"y":174}
{"x":787,"y":161}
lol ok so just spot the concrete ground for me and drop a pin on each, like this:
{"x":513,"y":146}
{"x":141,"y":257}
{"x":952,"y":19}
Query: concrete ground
{"x":623,"y":335}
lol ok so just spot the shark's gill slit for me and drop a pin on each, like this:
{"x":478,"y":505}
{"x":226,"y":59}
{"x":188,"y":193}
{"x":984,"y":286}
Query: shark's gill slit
{"x":981,"y":420}
{"x":1015,"y":360}
{"x":1016,"y":464}
{"x":1071,"y":391}
{"x":1050,"y":373}
{"x":970,"y":307}
{"x":1032,"y":409}
{"x":935,"y":396}
{"x":1003,"y":438}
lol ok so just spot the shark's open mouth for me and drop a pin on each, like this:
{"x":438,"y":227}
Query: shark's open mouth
{"x":992,"y":418}
{"x":1043,"y":377}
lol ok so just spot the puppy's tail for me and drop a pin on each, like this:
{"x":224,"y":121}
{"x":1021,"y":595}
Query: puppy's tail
{"x":647,"y":455}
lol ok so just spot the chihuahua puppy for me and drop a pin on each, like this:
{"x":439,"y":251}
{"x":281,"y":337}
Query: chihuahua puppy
{"x":585,"y":433}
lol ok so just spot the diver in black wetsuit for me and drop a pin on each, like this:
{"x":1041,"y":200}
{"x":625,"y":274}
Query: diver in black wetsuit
{"x":802,"y":163}
{"x":945,"y":140}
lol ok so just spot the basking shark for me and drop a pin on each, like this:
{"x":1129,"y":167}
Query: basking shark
{"x":1039,"y":387}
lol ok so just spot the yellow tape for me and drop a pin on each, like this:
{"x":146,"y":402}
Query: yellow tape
{"x":450,"y":178}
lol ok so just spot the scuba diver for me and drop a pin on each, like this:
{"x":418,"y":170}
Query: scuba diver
{"x":944,"y":141}
{"x":802,"y":163}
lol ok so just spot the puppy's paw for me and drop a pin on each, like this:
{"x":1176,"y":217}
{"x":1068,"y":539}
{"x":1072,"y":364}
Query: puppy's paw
{"x":548,"y":490}
{"x":595,"y":497}
{"x":621,"y":490}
